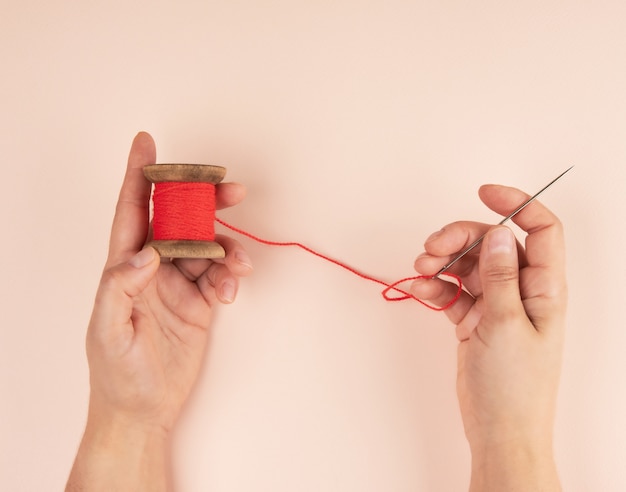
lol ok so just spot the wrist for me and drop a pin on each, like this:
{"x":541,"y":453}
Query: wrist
{"x":102,"y":420}
{"x":118,"y":435}
{"x":119,"y":454}
{"x":514,"y":465}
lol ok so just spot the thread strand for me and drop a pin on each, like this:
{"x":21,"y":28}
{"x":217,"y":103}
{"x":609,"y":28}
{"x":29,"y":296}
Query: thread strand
{"x":402,"y":294}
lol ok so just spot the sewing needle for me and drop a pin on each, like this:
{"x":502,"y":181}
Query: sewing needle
{"x":512,"y":214}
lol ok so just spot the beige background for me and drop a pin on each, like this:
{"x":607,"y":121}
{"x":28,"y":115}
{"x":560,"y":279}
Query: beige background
{"x":359,"y":128}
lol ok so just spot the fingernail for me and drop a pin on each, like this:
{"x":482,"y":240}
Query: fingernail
{"x":142,"y":258}
{"x":228,"y":291}
{"x":501,"y":240}
{"x":433,"y":236}
{"x":243,"y":259}
{"x":420,"y":287}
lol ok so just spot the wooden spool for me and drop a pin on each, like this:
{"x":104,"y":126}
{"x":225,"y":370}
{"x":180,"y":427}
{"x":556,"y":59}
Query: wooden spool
{"x":186,"y":173}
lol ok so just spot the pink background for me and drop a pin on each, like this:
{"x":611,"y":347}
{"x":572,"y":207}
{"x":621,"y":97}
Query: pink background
{"x":359,"y":128}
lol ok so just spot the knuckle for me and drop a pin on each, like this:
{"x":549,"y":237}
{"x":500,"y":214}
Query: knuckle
{"x":109,"y":278}
{"x":497,"y":274}
{"x":506,"y":314}
{"x":212,"y":273}
{"x":557,"y":222}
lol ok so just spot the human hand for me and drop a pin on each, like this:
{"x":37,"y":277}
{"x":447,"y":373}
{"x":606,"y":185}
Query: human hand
{"x":510,"y":324}
{"x":150,"y":322}
{"x":147,"y":336}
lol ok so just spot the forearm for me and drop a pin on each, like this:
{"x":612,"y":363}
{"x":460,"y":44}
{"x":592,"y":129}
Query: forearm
{"x":118,"y":457}
{"x":513,"y":468}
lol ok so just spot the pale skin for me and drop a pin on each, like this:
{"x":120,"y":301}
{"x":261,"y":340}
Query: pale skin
{"x":510,"y":326}
{"x":150,"y":324}
{"x":146,"y":340}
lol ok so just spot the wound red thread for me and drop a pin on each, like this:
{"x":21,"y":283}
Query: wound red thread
{"x":184,"y":211}
{"x":402,"y":294}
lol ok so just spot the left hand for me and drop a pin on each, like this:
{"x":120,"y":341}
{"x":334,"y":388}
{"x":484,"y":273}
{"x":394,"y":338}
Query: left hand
{"x":150,"y":322}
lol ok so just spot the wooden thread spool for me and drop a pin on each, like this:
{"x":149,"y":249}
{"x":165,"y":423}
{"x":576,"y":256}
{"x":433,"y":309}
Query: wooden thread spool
{"x":185,"y":173}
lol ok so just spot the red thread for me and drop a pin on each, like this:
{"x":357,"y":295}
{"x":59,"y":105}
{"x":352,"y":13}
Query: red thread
{"x":403,"y":295}
{"x":184,"y":211}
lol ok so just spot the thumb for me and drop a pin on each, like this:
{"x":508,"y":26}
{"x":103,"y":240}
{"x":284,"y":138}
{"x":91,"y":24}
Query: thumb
{"x":131,"y":278}
{"x":119,"y":285}
{"x":143,"y":267}
{"x":499,"y":275}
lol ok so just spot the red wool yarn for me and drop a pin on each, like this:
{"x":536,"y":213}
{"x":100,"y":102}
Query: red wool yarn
{"x":402,"y":295}
{"x":186,"y":211}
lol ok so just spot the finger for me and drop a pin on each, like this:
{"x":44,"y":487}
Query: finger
{"x":181,"y":298}
{"x":454,"y":237}
{"x":543,"y":282}
{"x":236,"y":260}
{"x":192,"y":268}
{"x":229,"y":194}
{"x":442,"y":246}
{"x":499,"y":273}
{"x":438,"y":292}
{"x":114,"y":302}
{"x":466,"y":268}
{"x":429,"y":264}
{"x":545,"y":243}
{"x":218,"y":283}
{"x":130,"y":225}
{"x":470,"y":321}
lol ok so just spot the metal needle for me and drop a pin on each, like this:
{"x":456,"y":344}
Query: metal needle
{"x":512,"y":214}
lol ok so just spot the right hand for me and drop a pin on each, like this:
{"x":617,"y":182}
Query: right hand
{"x":510,"y":322}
